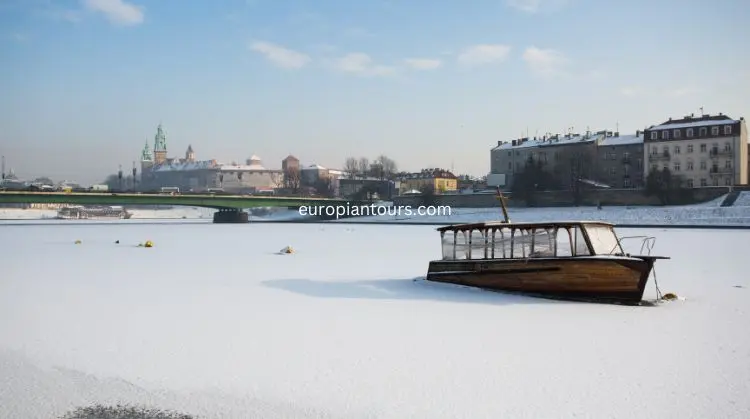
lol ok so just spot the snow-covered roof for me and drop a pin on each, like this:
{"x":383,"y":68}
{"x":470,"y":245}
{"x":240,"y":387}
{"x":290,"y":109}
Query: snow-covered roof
{"x":314,"y":167}
{"x":254,"y":158}
{"x":185,"y":165}
{"x":552,"y":141}
{"x":243,"y":168}
{"x":697,"y":123}
{"x":622,"y":140}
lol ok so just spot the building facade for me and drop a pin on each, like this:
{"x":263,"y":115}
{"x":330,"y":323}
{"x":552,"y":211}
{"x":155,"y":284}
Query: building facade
{"x":434,"y":180}
{"x":710,"y":150}
{"x":620,"y":160}
{"x":190,"y":174}
{"x":603,"y":156}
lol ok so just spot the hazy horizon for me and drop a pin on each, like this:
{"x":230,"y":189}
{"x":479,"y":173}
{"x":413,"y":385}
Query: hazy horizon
{"x":430,"y":84}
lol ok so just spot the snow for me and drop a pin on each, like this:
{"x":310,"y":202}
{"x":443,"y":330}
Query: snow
{"x":696,"y":123}
{"x":561,"y":139}
{"x":743,"y":200}
{"x":622,"y":140}
{"x":212,"y":321}
{"x":707,"y":213}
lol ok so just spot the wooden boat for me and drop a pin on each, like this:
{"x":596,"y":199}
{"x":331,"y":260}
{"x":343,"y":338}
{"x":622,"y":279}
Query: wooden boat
{"x":579,"y":260}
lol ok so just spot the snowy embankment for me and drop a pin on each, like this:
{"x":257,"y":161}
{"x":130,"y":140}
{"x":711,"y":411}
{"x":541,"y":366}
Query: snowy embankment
{"x":708,"y":213}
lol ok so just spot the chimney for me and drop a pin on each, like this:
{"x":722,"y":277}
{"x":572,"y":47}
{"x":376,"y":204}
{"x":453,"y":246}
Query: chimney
{"x":514,"y":143}
{"x":692,"y":115}
{"x":637,"y":133}
{"x":499,"y":143}
{"x":721,"y":114}
{"x":670,"y":119}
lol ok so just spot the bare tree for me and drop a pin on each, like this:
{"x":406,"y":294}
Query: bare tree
{"x":351,"y":167}
{"x":387,"y":166}
{"x":572,"y":166}
{"x":364,"y":166}
{"x":292,"y":179}
{"x":277,"y":180}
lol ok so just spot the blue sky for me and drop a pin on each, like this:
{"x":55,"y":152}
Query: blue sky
{"x":430,"y":83}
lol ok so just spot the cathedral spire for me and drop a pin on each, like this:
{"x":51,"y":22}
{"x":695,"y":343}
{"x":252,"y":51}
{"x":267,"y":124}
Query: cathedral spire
{"x":146,"y":153}
{"x":160,"y":139}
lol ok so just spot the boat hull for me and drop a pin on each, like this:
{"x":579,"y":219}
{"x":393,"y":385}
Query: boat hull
{"x":606,"y":279}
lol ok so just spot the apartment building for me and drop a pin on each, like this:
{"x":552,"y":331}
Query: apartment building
{"x":620,"y":160}
{"x":709,"y":150}
{"x":603,"y":156}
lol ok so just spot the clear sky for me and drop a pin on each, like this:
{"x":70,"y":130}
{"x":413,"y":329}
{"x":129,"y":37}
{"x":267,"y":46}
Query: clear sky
{"x":430,"y":83}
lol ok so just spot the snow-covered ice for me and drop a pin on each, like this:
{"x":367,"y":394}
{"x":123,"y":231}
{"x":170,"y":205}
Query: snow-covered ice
{"x":213,"y":320}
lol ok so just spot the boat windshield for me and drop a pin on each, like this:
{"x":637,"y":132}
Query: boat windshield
{"x":603,"y":240}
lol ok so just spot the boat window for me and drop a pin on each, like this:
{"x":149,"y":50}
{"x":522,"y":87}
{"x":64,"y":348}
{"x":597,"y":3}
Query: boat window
{"x":500,"y":243}
{"x":603,"y":240}
{"x":462,"y":245}
{"x":562,"y":240}
{"x":581,"y":248}
{"x":543,"y":243}
{"x":448,"y":244}
{"x":477,"y":244}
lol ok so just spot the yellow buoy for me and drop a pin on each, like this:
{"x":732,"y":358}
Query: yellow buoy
{"x":78,"y":242}
{"x":148,"y":243}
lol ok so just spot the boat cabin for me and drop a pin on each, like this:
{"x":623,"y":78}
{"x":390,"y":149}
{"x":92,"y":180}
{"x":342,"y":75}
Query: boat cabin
{"x":499,"y":240}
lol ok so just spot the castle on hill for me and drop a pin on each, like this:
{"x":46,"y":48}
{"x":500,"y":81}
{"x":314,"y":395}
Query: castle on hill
{"x":190,"y":174}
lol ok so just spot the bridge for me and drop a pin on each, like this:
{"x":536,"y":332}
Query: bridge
{"x":229,"y":206}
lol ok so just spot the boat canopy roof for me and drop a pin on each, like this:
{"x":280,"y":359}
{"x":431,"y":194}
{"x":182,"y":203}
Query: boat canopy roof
{"x":522,"y":226}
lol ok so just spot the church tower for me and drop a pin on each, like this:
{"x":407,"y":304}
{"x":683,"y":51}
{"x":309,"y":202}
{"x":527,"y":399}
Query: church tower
{"x":190,"y":154}
{"x":160,"y":146}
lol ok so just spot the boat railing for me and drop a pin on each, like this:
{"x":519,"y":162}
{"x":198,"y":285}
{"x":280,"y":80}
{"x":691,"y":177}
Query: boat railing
{"x":647,"y":243}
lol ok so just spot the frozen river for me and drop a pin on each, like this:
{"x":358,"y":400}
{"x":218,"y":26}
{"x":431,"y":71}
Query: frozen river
{"x":211,"y":321}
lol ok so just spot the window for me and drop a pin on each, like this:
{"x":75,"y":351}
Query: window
{"x":676,"y":166}
{"x":689,"y":165}
{"x":626,"y":170}
{"x":728,"y":164}
{"x":676,"y":149}
{"x":703,"y":148}
{"x":728,"y":130}
{"x":715,"y":182}
{"x":581,"y":248}
{"x":654,"y":135}
{"x":665,"y":135}
{"x":626,"y":183}
{"x":654,"y":150}
{"x":510,"y":165}
{"x":714,"y":131}
{"x":676,"y":133}
{"x":728,"y":181}
{"x":690,"y":148}
{"x":603,"y":240}
{"x":690,"y":133}
{"x":703,"y":131}
{"x":703,"y":183}
{"x":562,"y":242}
{"x":640,"y":163}
{"x":690,"y":183}
{"x":612,"y":171}
{"x":665,"y":150}
{"x":703,"y":165}
{"x":626,"y":155}
{"x":510,"y":153}
{"x":727,"y":147}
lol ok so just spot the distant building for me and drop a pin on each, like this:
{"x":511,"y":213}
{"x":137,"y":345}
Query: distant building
{"x":620,"y":160}
{"x":356,"y":188}
{"x":563,"y":155}
{"x":434,"y":180}
{"x":710,"y":150}
{"x":157,"y":171}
